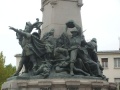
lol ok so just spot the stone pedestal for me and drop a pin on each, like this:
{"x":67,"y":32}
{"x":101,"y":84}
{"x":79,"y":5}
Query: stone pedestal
{"x":58,"y":84}
{"x":18,"y":58}
{"x":57,"y":12}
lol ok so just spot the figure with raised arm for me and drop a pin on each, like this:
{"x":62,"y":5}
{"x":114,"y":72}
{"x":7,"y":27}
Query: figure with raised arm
{"x":75,"y":42}
{"x":31,"y":45}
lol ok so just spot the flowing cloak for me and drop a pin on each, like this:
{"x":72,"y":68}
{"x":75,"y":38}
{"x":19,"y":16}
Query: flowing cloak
{"x":38,"y":47}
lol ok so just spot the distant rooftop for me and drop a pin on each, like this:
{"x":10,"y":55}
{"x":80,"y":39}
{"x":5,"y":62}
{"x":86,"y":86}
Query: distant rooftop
{"x":17,"y":55}
{"x":109,"y":51}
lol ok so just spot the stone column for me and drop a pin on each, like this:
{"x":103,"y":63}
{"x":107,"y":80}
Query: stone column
{"x":18,"y":58}
{"x":57,"y":12}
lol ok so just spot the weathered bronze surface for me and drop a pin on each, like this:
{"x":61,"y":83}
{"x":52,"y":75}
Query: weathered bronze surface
{"x":63,"y":57}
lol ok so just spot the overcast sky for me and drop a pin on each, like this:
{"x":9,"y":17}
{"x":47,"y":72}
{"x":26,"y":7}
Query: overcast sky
{"x":101,"y":18}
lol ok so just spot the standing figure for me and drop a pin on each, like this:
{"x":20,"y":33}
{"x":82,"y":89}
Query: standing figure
{"x":92,"y":66}
{"x":76,"y":65}
{"x":32,"y":47}
{"x":92,"y":50}
{"x":75,"y":42}
{"x":21,"y":63}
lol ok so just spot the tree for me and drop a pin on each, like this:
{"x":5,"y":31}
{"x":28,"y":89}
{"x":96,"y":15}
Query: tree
{"x":5,"y":70}
{"x":9,"y":70}
{"x":2,"y":73}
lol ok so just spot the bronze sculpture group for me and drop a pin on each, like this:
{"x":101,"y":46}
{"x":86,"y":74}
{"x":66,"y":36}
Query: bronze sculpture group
{"x":70,"y":54}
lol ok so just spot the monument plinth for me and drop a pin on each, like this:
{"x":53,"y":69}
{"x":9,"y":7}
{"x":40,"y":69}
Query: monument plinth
{"x":58,"y":84}
{"x":57,"y":12}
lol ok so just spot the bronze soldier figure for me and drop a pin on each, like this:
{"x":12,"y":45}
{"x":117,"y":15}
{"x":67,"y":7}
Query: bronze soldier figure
{"x":29,"y":53}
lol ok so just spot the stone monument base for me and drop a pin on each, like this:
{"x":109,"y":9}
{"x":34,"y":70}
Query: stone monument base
{"x":58,"y":84}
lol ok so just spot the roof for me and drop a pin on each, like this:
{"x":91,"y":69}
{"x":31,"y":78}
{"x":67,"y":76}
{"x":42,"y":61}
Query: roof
{"x":18,"y":55}
{"x":109,"y":52}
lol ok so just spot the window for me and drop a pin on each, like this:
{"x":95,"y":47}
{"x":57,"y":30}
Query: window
{"x":104,"y":62}
{"x":117,"y":62}
{"x":117,"y":80}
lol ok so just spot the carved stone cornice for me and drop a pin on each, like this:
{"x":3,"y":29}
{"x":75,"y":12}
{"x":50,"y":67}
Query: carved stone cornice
{"x":80,"y":3}
{"x":54,"y":2}
{"x":45,"y":2}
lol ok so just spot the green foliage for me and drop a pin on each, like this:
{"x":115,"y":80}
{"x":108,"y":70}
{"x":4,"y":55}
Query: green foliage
{"x":5,"y":70}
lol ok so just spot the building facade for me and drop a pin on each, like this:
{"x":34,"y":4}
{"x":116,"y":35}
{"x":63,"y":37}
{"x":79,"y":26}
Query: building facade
{"x":110,"y":60}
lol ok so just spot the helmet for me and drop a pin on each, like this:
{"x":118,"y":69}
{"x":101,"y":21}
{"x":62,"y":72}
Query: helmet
{"x":94,"y":40}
